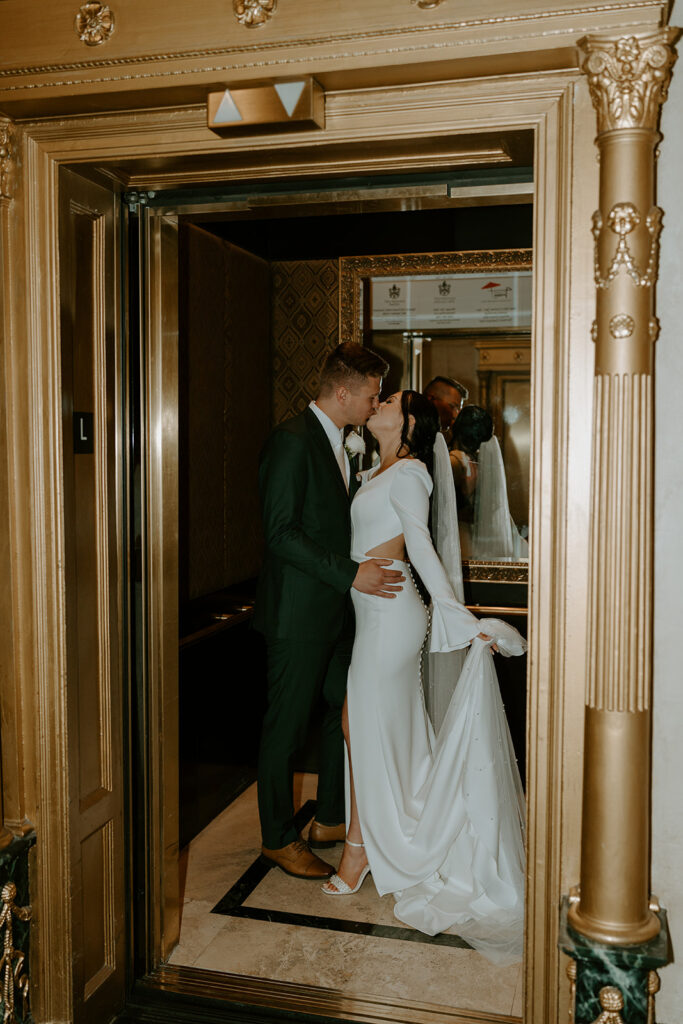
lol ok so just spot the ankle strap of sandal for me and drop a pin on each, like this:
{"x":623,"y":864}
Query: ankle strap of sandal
{"x":357,"y":845}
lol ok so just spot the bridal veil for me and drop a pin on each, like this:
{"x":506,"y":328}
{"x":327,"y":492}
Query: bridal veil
{"x":478,"y":891}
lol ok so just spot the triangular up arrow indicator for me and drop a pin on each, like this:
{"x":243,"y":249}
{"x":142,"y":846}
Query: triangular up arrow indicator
{"x":290,"y":94}
{"x":227,"y":110}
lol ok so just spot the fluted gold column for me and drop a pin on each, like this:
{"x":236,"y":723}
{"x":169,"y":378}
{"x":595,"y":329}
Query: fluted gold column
{"x":628,"y":79}
{"x":6,"y":153}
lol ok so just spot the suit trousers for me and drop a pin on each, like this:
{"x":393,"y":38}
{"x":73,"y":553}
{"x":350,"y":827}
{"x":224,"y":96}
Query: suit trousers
{"x":298,"y":671}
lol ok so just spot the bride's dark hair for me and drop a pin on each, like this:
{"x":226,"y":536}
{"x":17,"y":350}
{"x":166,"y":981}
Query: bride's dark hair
{"x":421,"y":441}
{"x":471,"y":428}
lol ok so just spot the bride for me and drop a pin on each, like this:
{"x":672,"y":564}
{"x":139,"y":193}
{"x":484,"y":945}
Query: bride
{"x":437,"y":819}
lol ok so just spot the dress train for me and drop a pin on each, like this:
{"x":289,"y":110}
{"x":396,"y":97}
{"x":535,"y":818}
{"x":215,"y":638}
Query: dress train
{"x":442,"y":817}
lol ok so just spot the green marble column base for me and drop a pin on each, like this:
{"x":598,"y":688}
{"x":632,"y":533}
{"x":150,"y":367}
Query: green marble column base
{"x":625,"y":967}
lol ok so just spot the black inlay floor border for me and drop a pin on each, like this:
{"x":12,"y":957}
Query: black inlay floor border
{"x":231,"y":905}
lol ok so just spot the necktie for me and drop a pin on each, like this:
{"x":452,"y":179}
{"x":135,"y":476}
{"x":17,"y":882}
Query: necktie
{"x":341,"y":461}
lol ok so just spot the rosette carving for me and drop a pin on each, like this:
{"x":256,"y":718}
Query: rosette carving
{"x":254,"y":13}
{"x":621,"y":325}
{"x":6,"y":159}
{"x":628,"y":77}
{"x":94,"y":23}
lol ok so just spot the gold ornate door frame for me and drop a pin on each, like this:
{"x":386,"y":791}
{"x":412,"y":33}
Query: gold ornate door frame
{"x":556,"y":106}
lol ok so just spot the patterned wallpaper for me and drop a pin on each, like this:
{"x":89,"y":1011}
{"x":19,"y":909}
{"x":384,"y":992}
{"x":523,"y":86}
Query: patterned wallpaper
{"x":305,"y":326}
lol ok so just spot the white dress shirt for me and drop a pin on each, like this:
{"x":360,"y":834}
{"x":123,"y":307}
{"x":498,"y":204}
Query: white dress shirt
{"x":335,"y":436}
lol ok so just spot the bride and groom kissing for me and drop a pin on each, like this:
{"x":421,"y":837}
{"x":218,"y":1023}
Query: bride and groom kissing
{"x":436,"y":818}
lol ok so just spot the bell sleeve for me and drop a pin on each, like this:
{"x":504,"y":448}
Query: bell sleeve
{"x":453,"y":626}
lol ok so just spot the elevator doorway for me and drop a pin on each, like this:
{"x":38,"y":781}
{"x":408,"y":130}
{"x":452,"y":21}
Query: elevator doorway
{"x":211,"y":715}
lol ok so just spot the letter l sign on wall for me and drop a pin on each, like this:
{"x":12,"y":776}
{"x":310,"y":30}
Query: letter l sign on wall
{"x":83,"y":433}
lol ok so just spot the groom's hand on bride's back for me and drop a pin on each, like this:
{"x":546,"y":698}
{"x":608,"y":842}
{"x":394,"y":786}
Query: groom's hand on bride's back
{"x":373,"y":578}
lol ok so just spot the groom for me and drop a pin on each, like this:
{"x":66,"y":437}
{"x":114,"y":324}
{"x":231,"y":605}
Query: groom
{"x":303,"y":603}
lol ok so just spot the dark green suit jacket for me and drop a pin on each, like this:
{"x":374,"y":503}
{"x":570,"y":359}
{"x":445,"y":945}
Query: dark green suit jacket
{"x":303,"y":591}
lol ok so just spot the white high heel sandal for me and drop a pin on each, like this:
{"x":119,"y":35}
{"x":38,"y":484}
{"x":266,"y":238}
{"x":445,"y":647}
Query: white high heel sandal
{"x":342,"y":888}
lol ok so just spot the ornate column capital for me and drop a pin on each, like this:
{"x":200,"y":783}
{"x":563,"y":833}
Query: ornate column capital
{"x":628,"y":77}
{"x":6,"y":158}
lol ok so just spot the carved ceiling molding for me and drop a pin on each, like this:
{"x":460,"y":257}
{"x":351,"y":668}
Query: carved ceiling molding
{"x":465,"y":24}
{"x":94,"y":23}
{"x":628,"y":77}
{"x":6,"y":158}
{"x":254,"y":13}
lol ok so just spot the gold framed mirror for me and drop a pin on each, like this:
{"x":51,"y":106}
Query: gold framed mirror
{"x":460,"y":319}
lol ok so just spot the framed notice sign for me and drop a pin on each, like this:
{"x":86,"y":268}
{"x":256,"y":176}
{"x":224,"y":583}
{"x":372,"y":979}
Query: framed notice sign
{"x":480,"y":291}
{"x":459,"y":301}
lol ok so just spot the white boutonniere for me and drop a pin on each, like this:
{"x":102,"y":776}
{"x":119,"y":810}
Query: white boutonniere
{"x":354,"y":445}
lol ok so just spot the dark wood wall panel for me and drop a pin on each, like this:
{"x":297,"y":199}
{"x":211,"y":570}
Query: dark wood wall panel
{"x":202,"y":375}
{"x":225,"y":410}
{"x":246,"y":417}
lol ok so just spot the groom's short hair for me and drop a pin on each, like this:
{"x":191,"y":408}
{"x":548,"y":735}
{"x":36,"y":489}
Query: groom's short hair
{"x":448,"y":382}
{"x":348,"y":365}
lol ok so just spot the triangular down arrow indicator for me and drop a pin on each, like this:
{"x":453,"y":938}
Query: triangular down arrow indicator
{"x":227,"y":110}
{"x":290,"y":94}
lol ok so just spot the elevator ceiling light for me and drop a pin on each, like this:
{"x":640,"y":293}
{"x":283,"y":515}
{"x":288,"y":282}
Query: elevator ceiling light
{"x":267,"y":107}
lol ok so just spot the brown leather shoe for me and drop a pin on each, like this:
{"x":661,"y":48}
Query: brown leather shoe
{"x":322,"y":837}
{"x":296,"y":859}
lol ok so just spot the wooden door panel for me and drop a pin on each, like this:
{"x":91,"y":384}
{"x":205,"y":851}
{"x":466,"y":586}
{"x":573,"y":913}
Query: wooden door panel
{"x":99,"y":908}
{"x":92,"y":526}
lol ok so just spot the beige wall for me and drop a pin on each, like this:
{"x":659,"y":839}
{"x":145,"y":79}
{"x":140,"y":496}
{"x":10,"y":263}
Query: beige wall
{"x":667,"y":831}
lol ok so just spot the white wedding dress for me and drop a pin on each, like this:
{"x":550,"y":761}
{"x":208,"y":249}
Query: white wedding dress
{"x":442,"y":816}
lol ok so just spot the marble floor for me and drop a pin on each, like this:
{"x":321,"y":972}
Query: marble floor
{"x":243,"y":918}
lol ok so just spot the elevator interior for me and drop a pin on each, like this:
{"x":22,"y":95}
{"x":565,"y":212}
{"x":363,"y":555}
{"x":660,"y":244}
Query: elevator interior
{"x":258,"y":309}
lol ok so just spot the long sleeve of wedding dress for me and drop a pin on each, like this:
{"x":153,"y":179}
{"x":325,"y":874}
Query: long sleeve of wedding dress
{"x":453,"y":626}
{"x":441,"y":816}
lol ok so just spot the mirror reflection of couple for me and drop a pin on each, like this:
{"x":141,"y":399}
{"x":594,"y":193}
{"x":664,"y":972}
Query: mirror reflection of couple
{"x":437,"y":818}
{"x":487,"y":530}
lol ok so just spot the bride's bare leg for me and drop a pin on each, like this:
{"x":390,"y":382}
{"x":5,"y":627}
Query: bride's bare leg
{"x":353,"y":858}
